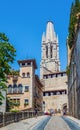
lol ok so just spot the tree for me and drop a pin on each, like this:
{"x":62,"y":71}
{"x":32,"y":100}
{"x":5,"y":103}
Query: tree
{"x":14,"y":72}
{"x":10,"y":104}
{"x":75,"y":8}
{"x":7,"y":54}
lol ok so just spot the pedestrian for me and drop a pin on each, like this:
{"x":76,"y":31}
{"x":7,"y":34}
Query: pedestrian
{"x":36,"y":112}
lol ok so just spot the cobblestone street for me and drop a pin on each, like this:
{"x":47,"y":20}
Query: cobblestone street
{"x":45,"y":123}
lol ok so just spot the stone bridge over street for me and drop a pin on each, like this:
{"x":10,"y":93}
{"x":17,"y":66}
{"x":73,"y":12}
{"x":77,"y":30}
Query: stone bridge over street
{"x":45,"y":123}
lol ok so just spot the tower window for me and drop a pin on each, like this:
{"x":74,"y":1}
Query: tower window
{"x":23,"y":64}
{"x":51,"y":50}
{"x":46,"y":51}
{"x":29,"y":63}
{"x":28,"y":75}
{"x":23,"y":74}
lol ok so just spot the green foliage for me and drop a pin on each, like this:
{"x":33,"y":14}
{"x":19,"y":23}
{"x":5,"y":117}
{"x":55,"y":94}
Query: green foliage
{"x":14,"y":110}
{"x":67,"y":70}
{"x":10,"y":104}
{"x":7,"y":54}
{"x":75,"y":8}
{"x":14,"y":72}
{"x":26,"y":103}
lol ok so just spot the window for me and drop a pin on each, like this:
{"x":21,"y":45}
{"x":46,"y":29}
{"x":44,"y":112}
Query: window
{"x":16,"y":101}
{"x":61,"y":74}
{"x":28,"y":75}
{"x":46,"y":94}
{"x":49,"y":76}
{"x":14,"y":88}
{"x":20,"y":88}
{"x":26,"y":88}
{"x":63,"y":92}
{"x":56,"y":75}
{"x":10,"y":89}
{"x":23,"y":74}
{"x":23,"y":64}
{"x":46,"y":76}
{"x":51,"y":50}
{"x":52,"y":75}
{"x":57,"y":93}
{"x":44,"y":102}
{"x":26,"y":102}
{"x":51,"y":93}
{"x":28,"y":63}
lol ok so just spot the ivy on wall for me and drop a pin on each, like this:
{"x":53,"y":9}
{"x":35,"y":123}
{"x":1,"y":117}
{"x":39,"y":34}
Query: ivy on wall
{"x":75,"y":9}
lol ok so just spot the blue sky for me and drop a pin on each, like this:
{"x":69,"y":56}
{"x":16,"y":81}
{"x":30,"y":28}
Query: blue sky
{"x":24,"y":21}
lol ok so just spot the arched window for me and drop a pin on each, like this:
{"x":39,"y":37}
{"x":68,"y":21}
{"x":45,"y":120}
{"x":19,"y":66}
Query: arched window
{"x":23,"y":74}
{"x":46,"y":51}
{"x":20,"y":88}
{"x":28,"y":75}
{"x":9,"y":89}
{"x":14,"y":88}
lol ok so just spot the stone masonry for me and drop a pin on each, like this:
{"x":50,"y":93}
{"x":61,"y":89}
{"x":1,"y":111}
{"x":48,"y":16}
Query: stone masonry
{"x":55,"y":81}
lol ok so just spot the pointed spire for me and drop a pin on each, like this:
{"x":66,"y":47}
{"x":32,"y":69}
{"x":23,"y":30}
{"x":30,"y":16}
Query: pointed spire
{"x":50,"y":33}
{"x":43,"y":37}
{"x":57,"y":39}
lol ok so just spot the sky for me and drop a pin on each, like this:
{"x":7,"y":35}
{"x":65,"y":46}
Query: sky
{"x":24,"y":21}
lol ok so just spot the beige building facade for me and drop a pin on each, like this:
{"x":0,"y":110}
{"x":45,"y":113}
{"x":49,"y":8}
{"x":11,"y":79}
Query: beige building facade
{"x":54,"y":80}
{"x":23,"y":89}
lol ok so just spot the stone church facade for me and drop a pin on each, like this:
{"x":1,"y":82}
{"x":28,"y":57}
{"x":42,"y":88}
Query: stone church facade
{"x":54,"y":80}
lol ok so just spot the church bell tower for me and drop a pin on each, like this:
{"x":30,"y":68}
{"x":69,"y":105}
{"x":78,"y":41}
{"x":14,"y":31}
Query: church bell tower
{"x":50,"y":62}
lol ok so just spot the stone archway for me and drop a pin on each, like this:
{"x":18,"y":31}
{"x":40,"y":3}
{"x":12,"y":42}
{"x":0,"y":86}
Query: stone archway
{"x":64,"y":108}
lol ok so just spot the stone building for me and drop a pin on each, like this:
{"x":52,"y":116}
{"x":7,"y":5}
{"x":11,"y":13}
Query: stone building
{"x":74,"y":75}
{"x":55,"y":81}
{"x":26,"y":89}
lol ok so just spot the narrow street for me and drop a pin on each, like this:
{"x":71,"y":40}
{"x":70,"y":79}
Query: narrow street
{"x":44,"y":123}
{"x":56,"y":123}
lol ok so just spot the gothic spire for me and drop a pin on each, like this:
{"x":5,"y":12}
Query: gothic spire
{"x":43,"y":37}
{"x":50,"y":33}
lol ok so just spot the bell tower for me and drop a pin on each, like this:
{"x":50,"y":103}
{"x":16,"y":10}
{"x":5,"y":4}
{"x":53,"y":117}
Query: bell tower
{"x":50,"y":61}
